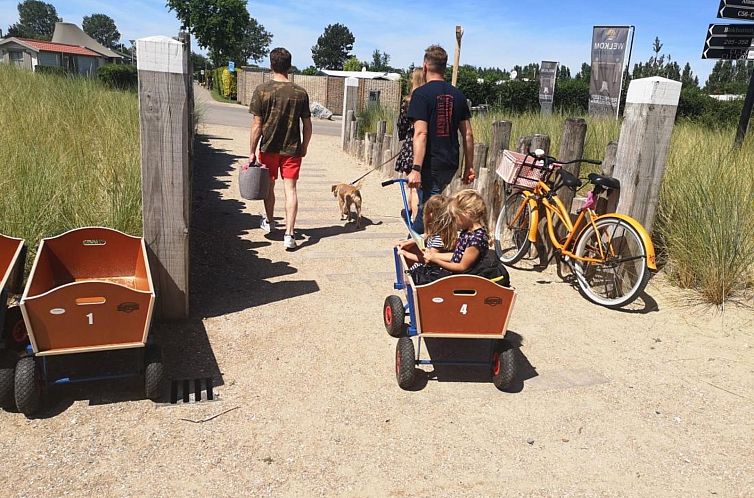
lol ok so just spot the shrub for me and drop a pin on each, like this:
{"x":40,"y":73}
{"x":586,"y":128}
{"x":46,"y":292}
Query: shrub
{"x":56,"y":70}
{"x":373,"y":114}
{"x":572,"y":96}
{"x":225,"y":82}
{"x":120,"y":76}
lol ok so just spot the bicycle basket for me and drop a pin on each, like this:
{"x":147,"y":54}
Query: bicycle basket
{"x":521,"y":170}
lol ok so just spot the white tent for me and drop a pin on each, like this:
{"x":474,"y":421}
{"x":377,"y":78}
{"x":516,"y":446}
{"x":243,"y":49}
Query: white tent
{"x":368,"y":75}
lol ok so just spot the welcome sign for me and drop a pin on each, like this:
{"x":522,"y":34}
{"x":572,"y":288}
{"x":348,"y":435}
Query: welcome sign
{"x":609,"y":44}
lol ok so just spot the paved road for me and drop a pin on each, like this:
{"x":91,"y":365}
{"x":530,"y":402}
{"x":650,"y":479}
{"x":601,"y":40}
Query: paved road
{"x":213,"y":112}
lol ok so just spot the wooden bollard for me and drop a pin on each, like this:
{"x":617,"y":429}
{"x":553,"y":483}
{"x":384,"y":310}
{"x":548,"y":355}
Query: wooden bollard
{"x":571,"y":148}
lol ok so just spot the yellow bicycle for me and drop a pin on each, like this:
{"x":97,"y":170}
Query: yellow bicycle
{"x":611,"y":255}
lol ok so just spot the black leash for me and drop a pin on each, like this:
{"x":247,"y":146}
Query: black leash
{"x":374,"y":169}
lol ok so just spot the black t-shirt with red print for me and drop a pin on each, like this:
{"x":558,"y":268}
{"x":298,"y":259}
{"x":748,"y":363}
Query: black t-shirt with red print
{"x":443,"y":107}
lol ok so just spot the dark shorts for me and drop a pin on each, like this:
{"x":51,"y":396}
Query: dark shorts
{"x":432,"y":184}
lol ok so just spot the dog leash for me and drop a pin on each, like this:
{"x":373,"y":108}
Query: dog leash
{"x":374,"y":169}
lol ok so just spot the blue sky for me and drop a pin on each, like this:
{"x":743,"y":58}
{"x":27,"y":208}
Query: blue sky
{"x":497,"y":32}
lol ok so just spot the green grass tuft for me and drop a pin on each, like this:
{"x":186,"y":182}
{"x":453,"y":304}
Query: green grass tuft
{"x":70,"y":156}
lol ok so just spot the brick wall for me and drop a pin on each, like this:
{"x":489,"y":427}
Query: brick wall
{"x":390,"y":93}
{"x":327,"y":90}
{"x":315,"y":86}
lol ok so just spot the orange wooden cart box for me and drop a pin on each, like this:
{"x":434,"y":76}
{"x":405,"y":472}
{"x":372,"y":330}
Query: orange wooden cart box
{"x":90,"y":289}
{"x":461,"y":306}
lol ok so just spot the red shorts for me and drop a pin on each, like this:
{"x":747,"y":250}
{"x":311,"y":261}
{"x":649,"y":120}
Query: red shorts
{"x":289,"y":166}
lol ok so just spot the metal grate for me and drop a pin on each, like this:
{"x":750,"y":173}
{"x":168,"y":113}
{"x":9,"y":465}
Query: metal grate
{"x":192,"y":390}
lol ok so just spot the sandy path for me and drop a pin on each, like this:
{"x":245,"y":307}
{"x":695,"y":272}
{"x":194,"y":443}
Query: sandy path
{"x":609,"y":403}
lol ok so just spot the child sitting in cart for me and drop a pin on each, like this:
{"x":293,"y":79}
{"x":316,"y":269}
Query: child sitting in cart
{"x":469,"y":211}
{"x":440,"y":232}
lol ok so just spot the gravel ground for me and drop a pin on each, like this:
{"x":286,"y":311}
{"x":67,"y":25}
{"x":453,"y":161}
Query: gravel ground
{"x":653,"y":402}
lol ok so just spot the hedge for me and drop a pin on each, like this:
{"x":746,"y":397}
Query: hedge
{"x":225,"y":82}
{"x":120,"y":76}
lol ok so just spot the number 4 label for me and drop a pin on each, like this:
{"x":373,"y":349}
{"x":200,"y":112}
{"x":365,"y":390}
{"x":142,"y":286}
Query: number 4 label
{"x":464,"y":309}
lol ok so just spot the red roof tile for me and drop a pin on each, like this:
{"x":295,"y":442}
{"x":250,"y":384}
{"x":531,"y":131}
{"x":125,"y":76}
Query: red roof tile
{"x":59,"y":47}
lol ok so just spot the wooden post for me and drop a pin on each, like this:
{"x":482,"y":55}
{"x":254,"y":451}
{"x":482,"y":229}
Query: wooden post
{"x":457,"y":58}
{"x":350,"y":102}
{"x":164,"y":119}
{"x":608,"y":164}
{"x":540,"y":142}
{"x":651,"y":105}
{"x":385,"y":154}
{"x":501,"y":138}
{"x":608,"y":200}
{"x":571,"y":147}
{"x":377,"y":150}
{"x":347,"y":125}
{"x":369,"y":147}
{"x":524,"y":144}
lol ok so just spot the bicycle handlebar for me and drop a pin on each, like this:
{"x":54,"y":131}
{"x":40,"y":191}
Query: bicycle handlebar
{"x":550,"y":160}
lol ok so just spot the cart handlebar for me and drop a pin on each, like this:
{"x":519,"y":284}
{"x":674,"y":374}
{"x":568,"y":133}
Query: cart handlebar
{"x":394,"y":180}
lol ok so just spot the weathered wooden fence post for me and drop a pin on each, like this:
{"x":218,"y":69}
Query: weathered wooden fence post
{"x":571,"y":148}
{"x":540,"y":142}
{"x":164,"y":118}
{"x":651,"y":105}
{"x":501,"y":139}
{"x":608,"y":201}
{"x":377,"y":151}
{"x":350,"y":101}
{"x":347,"y":126}
{"x":524,"y":144}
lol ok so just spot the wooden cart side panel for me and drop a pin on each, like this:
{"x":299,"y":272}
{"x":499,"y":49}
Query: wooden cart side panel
{"x":464,"y":304}
{"x":10,"y":253}
{"x":94,"y":252}
{"x":87,"y":314}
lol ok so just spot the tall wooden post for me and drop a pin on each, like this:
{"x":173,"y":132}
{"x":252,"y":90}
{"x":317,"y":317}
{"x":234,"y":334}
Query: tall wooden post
{"x":524,"y":144}
{"x":540,"y":142}
{"x":571,"y":147}
{"x":350,"y":102}
{"x":164,"y":118}
{"x":457,"y":58}
{"x":347,"y":125}
{"x":501,"y":139}
{"x":377,"y":150}
{"x":644,"y":144}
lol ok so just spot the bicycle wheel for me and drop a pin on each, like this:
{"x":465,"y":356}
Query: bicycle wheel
{"x":512,"y":229}
{"x":622,"y":272}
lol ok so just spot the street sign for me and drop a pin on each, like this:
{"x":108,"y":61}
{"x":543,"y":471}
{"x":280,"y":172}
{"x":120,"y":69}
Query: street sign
{"x":736,"y":9}
{"x":231,"y":66}
{"x":727,"y":53}
{"x":731,"y":30}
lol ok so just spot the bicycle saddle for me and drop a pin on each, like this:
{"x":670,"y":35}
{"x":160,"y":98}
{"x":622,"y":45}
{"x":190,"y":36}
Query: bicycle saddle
{"x":604,"y":181}
{"x":569,"y":180}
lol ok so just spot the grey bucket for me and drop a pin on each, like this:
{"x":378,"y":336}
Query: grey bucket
{"x":254,"y":182}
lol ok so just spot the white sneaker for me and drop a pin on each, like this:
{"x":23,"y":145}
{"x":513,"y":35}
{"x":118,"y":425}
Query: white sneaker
{"x":266,"y":225}
{"x":289,"y":242}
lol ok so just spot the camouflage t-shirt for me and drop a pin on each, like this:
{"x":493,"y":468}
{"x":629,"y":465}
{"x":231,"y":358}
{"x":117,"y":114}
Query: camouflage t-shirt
{"x":281,"y":105}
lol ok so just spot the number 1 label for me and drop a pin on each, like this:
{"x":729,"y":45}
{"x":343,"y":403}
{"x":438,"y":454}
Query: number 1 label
{"x":90,"y":316}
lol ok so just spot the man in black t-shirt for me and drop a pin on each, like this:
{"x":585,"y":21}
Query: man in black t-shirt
{"x":439,"y":110}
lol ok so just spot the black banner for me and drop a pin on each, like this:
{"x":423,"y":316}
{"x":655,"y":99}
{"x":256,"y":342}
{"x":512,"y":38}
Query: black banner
{"x":609,"y":45}
{"x":736,"y":9}
{"x":548,"y":72}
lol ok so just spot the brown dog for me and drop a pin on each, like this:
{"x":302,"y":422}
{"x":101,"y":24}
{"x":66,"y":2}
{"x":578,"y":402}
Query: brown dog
{"x":347,"y":195}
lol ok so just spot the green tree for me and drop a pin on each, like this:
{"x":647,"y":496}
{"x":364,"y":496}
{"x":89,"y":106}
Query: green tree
{"x":310,"y":71}
{"x":35,"y":20}
{"x":352,"y":64}
{"x":198,"y":61}
{"x":585,"y":73}
{"x":564,"y":73}
{"x":380,"y":61}
{"x":256,"y":42}
{"x":224,"y":27}
{"x":102,"y":28}
{"x":687,"y":77}
{"x":333,"y":47}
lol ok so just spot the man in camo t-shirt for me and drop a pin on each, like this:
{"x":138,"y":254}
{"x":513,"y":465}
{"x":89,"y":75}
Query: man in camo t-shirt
{"x":279,"y":108}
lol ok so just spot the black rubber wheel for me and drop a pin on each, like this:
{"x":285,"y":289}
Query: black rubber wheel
{"x":405,"y":363}
{"x":394,"y":315}
{"x":28,"y":386}
{"x":503,"y":366}
{"x":7,"y":381}
{"x":512,"y":229}
{"x":153,"y":374}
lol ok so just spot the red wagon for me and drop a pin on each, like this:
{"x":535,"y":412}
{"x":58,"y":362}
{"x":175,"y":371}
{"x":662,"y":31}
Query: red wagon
{"x":13,"y":336}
